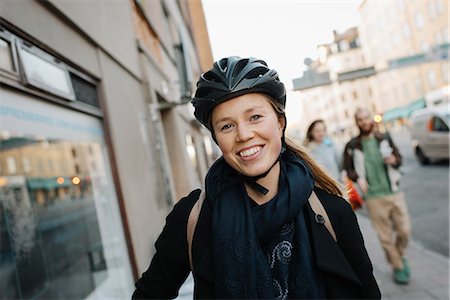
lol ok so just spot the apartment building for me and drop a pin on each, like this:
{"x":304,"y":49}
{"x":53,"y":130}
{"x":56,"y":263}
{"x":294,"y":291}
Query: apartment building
{"x":336,"y":84}
{"x":395,"y":62}
{"x":408,"y":43}
{"x":97,"y":139}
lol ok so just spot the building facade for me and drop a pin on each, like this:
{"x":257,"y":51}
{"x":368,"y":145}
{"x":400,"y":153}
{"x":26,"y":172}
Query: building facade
{"x":97,"y":139}
{"x":408,"y":43}
{"x":336,"y":84}
{"x":395,"y":62}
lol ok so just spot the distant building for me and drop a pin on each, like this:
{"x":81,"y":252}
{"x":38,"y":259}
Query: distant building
{"x":97,"y":139}
{"x":408,"y":43}
{"x":336,"y":84}
{"x":395,"y":62}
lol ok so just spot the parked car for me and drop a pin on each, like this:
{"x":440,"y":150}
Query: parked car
{"x":430,"y":133}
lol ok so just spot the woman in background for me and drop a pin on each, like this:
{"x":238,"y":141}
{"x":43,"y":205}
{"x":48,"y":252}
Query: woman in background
{"x":322,"y":149}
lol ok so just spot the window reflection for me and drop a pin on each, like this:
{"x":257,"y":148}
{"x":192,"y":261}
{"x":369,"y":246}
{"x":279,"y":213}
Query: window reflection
{"x":51,"y":242}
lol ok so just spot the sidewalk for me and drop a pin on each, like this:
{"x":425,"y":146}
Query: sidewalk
{"x":429,"y":271}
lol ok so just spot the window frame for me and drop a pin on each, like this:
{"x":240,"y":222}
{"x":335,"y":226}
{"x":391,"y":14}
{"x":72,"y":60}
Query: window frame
{"x":10,"y":38}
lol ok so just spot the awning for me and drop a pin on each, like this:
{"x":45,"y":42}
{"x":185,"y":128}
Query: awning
{"x":47,"y":183}
{"x":403,"y":111}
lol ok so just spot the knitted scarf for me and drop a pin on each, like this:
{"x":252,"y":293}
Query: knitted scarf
{"x":248,"y":246}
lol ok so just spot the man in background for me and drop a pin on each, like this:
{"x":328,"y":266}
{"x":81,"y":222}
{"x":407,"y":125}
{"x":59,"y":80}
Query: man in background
{"x":372,"y":160}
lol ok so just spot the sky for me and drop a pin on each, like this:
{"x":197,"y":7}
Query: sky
{"x":281,"y":32}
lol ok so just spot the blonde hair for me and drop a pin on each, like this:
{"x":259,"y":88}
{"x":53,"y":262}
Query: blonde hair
{"x":321,"y":178}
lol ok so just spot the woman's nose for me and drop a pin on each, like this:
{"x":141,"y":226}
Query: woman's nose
{"x":244,"y":132}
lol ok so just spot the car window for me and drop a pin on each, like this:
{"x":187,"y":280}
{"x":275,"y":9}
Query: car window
{"x":439,"y":124}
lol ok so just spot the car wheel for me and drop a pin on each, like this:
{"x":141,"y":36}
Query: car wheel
{"x":421,"y":157}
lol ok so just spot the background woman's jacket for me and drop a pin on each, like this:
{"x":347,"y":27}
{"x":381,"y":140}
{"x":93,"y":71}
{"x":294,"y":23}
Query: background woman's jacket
{"x":345,"y":265}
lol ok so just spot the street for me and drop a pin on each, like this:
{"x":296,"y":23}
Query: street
{"x":427,"y":194}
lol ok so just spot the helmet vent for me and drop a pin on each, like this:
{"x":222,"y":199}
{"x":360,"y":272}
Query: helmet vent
{"x":211,"y":76}
{"x":257,"y":72}
{"x":239,"y":66}
{"x":223,"y":64}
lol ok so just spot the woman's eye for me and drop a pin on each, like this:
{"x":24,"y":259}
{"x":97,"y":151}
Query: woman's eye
{"x":225,"y":127}
{"x":255,"y":117}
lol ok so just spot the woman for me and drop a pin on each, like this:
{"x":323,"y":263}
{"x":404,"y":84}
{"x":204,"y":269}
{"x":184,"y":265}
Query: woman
{"x":257,"y":236}
{"x":322,"y":149}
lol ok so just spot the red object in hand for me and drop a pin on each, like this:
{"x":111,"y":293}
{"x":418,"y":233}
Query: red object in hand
{"x":354,"y":197}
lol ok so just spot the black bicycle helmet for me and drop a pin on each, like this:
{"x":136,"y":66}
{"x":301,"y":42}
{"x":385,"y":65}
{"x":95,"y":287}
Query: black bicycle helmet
{"x":232,"y":77}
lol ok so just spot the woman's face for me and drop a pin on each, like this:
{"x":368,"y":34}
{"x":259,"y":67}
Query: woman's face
{"x":319,"y":132}
{"x":249,"y":132}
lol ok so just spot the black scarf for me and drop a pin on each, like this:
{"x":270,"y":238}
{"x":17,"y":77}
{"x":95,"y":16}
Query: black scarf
{"x":243,"y":242}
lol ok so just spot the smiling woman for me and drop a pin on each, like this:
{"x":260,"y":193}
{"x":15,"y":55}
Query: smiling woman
{"x":258,"y":236}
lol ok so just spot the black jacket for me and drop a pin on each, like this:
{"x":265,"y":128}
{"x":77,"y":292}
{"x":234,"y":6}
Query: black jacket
{"x":345,"y":265}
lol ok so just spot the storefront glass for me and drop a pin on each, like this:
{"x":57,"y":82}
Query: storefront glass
{"x":60,"y":226}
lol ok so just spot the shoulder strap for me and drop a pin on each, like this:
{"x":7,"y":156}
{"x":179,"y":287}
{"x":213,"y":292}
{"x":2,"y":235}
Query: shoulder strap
{"x":192,"y":223}
{"x":315,"y":203}
{"x":320,"y":211}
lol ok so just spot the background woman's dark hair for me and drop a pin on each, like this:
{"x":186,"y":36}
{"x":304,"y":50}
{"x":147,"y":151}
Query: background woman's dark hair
{"x":309,"y":137}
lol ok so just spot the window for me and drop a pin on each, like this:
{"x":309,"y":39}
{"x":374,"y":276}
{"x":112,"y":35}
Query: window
{"x":6,"y":55}
{"x":432,"y":10}
{"x":51,"y":167}
{"x":439,"y":6}
{"x":406,"y":90}
{"x":355,"y":95}
{"x":26,"y":164}
{"x":424,"y":46}
{"x":419,"y":20}
{"x":418,"y":85}
{"x":437,"y":38}
{"x":406,"y":31}
{"x":445,"y":72}
{"x":40,"y":165}
{"x":431,"y":78}
{"x":11,"y":165}
{"x":444,"y":33}
{"x":44,"y":71}
{"x":84,"y":90}
{"x":439,"y":125}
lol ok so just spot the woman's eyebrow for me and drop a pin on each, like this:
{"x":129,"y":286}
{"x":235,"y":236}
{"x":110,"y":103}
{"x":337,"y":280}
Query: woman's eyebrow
{"x":248,"y":110}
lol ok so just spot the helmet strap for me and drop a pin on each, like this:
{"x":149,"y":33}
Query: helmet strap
{"x":252,"y":180}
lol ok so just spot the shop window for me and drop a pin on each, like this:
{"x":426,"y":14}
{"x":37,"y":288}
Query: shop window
{"x":51,"y":228}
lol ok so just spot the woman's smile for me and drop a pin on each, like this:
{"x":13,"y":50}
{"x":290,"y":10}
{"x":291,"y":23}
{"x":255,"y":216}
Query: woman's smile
{"x":250,"y":153}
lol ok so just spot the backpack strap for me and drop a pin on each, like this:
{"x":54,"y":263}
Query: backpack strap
{"x":192,"y":223}
{"x":321,"y":215}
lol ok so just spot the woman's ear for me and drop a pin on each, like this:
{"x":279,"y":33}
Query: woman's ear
{"x":282,"y":122}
